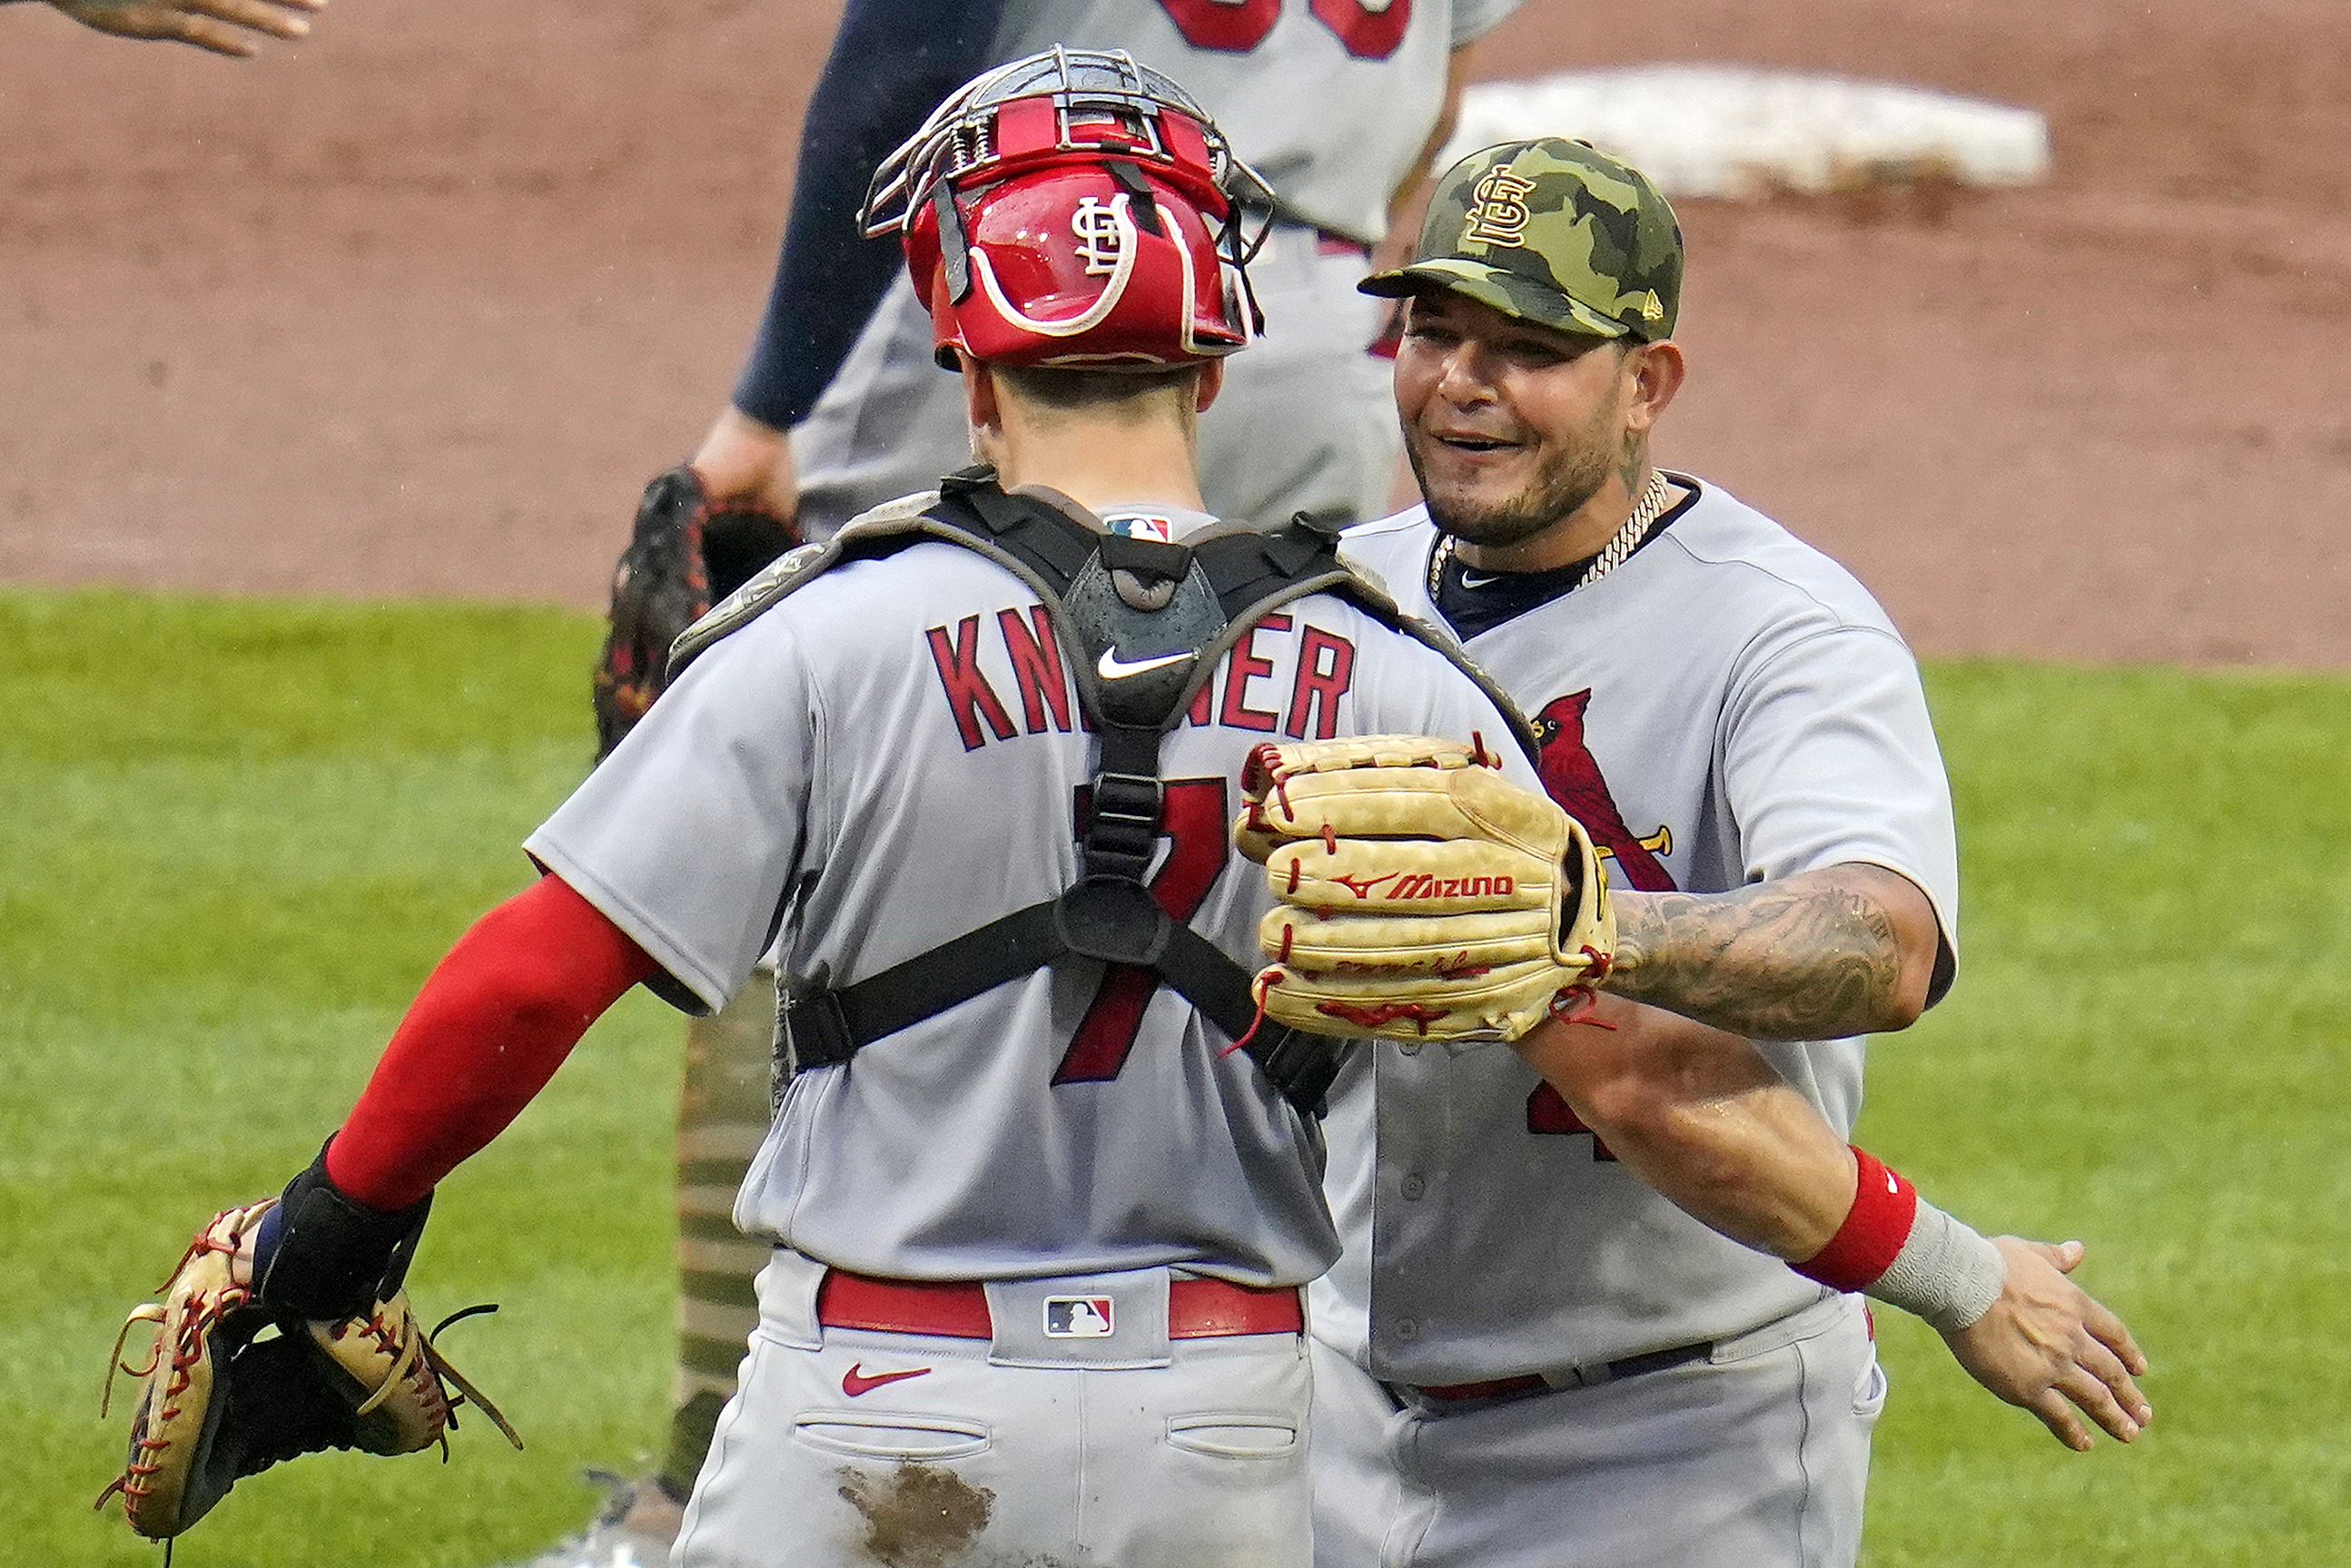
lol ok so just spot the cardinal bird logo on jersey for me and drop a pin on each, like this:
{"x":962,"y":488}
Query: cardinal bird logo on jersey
{"x":1573,"y":779}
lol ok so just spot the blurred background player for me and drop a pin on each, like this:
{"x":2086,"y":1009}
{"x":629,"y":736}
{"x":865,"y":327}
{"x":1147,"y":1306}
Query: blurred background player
{"x":223,"y":26}
{"x":840,"y":406}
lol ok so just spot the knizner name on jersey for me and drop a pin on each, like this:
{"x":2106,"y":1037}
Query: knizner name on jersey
{"x":1002,"y":675}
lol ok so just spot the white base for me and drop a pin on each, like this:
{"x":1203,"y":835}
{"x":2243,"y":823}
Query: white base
{"x":1735,"y":131}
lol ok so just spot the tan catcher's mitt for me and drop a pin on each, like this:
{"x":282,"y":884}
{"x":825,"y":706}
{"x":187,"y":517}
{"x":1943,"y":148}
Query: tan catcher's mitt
{"x":234,"y":1387}
{"x":1422,"y":895}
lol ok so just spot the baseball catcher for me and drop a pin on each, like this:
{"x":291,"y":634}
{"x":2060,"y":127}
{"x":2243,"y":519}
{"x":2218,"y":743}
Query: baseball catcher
{"x":1423,"y":892}
{"x":283,"y":1331}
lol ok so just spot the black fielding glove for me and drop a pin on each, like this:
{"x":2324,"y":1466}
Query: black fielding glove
{"x":683,"y":556}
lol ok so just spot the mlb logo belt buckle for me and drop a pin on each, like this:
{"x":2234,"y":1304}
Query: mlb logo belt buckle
{"x":1079,"y":1317}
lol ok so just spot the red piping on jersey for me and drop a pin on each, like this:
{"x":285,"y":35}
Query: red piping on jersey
{"x":489,"y":1028}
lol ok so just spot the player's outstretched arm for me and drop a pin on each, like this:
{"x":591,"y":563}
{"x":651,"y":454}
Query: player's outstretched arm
{"x":2050,"y":1347}
{"x":1703,"y":1118}
{"x":1845,"y":949}
{"x":224,"y":26}
{"x":491,"y":1024}
{"x":325,"y":1262}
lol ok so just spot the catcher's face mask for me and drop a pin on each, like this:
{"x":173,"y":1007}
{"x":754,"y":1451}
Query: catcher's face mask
{"x":1075,"y":209}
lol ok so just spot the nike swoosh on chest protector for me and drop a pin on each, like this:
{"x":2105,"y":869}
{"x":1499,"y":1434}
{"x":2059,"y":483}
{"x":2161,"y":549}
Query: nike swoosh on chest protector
{"x":1112,"y":667}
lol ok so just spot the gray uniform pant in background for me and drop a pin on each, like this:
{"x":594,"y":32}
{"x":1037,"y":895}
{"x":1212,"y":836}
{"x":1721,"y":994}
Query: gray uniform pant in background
{"x":1757,"y":1458}
{"x":723,"y":1113}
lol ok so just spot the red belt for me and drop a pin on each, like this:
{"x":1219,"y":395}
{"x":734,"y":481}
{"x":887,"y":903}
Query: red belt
{"x":1197,"y":1309}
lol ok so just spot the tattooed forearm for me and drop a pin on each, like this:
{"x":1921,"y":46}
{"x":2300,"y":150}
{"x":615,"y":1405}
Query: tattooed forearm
{"x":1808,"y":958}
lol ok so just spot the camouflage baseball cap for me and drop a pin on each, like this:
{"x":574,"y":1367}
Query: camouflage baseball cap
{"x":1553,"y":231}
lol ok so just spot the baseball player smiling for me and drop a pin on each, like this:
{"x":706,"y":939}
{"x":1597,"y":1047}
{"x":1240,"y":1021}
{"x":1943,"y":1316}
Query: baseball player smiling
{"x":1590,"y":1375}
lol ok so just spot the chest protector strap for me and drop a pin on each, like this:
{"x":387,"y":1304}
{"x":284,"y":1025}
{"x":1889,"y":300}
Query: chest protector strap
{"x":1147,"y":622}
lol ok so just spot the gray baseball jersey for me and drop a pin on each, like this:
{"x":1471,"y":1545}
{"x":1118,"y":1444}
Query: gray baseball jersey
{"x":1331,"y":100}
{"x":1728,"y":706}
{"x":891,"y":756}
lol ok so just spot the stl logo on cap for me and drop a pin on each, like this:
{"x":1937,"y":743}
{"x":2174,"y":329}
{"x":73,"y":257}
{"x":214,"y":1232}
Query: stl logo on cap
{"x":1552,"y":231}
{"x":1500,"y":214}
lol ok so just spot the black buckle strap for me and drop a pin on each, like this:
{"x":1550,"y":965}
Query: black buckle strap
{"x":1302,"y":1066}
{"x":1021,"y":524}
{"x":1123,"y":829}
{"x":825,"y":1028}
{"x":836,"y":1024}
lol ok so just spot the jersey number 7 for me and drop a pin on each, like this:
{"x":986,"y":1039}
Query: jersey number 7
{"x":1194,"y":821}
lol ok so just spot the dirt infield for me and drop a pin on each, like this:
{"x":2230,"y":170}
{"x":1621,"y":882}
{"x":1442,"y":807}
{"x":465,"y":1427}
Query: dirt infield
{"x":417,"y":307}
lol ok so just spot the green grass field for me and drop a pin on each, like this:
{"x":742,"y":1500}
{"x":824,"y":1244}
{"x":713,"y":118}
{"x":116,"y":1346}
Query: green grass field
{"x":235,"y":836}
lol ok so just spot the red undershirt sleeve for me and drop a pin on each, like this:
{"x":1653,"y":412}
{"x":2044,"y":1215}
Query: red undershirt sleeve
{"x":493,"y":1023}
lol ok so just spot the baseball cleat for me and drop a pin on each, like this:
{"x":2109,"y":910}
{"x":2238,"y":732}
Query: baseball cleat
{"x":635,"y":1528}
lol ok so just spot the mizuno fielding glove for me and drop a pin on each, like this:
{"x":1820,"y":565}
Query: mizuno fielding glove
{"x":1422,"y":895}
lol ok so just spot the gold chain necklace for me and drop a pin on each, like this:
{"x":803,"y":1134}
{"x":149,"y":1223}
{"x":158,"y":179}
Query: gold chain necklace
{"x":1626,"y":539}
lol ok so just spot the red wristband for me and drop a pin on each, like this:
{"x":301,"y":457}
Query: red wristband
{"x":1884,"y":1208}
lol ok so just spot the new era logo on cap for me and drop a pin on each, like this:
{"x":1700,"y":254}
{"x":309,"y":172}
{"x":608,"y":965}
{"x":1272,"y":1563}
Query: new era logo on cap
{"x":1078,"y":1317}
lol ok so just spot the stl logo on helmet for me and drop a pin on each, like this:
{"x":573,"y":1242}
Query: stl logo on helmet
{"x":1500,"y":216}
{"x":1099,"y":238}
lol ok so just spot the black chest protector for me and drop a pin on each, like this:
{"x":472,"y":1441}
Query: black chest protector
{"x":1146,"y":624}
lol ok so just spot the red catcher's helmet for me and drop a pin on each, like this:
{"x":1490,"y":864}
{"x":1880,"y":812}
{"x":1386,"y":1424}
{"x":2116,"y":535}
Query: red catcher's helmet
{"x":1075,"y":209}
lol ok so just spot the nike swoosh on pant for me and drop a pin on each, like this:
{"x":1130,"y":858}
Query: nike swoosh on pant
{"x":855,"y":1380}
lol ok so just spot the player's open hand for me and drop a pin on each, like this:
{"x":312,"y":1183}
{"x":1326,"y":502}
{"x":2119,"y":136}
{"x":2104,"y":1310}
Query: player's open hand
{"x":220,"y":26}
{"x":2050,"y":1347}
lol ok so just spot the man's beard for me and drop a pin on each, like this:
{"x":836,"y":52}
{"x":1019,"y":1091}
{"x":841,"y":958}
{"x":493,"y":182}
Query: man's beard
{"x":1562,"y":486}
